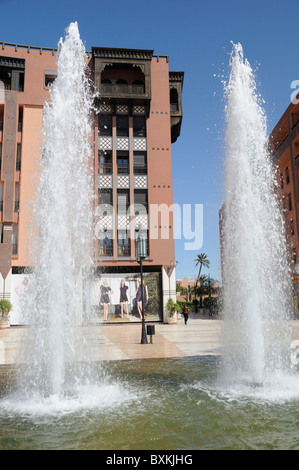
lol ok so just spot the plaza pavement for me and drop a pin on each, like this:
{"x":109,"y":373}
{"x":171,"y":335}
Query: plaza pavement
{"x":201,"y":336}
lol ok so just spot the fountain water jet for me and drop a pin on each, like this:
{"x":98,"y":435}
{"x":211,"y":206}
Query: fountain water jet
{"x":256,"y":279}
{"x":61,"y":245}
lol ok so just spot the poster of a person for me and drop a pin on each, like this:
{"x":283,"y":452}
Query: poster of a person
{"x":138,"y":296}
{"x":116,"y":297}
{"x":123,"y":298}
{"x":20,"y":286}
{"x":105,"y":292}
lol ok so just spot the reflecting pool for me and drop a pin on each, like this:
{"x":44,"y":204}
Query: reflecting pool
{"x":175,"y":404}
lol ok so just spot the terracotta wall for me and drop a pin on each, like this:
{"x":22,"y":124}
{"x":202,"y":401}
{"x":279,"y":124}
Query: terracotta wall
{"x":158,"y":148}
{"x":160,"y":163}
{"x":284,"y":140}
{"x":31,"y":101}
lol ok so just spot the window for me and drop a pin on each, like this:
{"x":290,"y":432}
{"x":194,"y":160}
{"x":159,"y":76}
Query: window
{"x":284,"y":207}
{"x":287,"y":176}
{"x":14,"y":239}
{"x":123,"y":201}
{"x":294,"y":256}
{"x":50,"y":78}
{"x":106,"y":244}
{"x":122,"y":126}
{"x":105,"y":197}
{"x":174,"y":100}
{"x":1,"y":195}
{"x":140,"y":163}
{"x":123,"y":244}
{"x":1,"y":116}
{"x":17,"y":197}
{"x":292,"y":227}
{"x":290,"y":202}
{"x":20,"y":119}
{"x":140,"y":199}
{"x":18,"y":159}
{"x":105,"y":125}
{"x":12,"y":71}
{"x":122,"y":163}
{"x":105,"y":162}
{"x":139,"y":126}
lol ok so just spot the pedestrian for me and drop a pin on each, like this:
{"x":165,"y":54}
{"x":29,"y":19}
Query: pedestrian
{"x":185,"y":313}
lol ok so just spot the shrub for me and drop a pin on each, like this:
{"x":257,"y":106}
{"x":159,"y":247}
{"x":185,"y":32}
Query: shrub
{"x":5,"y":307}
{"x":172,"y":307}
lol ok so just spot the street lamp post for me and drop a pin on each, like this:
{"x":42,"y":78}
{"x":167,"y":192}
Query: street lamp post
{"x":141,"y":253}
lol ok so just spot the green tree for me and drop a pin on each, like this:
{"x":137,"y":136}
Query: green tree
{"x":199,"y":290}
{"x":201,"y":260}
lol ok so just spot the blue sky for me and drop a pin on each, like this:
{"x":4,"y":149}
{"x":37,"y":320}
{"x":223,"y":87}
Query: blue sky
{"x":197,"y":37}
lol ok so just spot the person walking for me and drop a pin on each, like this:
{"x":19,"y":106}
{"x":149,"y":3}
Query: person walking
{"x":185,"y":313}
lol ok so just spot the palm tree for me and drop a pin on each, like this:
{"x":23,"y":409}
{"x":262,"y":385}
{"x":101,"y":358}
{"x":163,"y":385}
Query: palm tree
{"x":202,"y":260}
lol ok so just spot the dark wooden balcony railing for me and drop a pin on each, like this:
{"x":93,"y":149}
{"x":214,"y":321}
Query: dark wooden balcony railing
{"x":122,"y":88}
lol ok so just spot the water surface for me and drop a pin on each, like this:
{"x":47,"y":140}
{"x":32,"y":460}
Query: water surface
{"x":156,"y":404}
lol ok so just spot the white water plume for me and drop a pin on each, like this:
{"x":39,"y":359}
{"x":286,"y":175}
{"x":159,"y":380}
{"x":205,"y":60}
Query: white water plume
{"x":256,"y":278}
{"x":62,"y":240}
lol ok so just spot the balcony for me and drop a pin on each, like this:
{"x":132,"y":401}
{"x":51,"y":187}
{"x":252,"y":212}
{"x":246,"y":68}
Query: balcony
{"x":12,"y":73}
{"x":176,"y":80}
{"x":123,"y":75}
{"x":112,"y":89}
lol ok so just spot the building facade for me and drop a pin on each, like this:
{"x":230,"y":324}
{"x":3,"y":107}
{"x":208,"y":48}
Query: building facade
{"x":284,"y":147}
{"x":138,"y":118}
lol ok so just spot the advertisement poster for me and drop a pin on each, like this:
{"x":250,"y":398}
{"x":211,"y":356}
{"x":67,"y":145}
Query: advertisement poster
{"x":20,"y":284}
{"x":117,"y":297}
{"x":112,"y":298}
